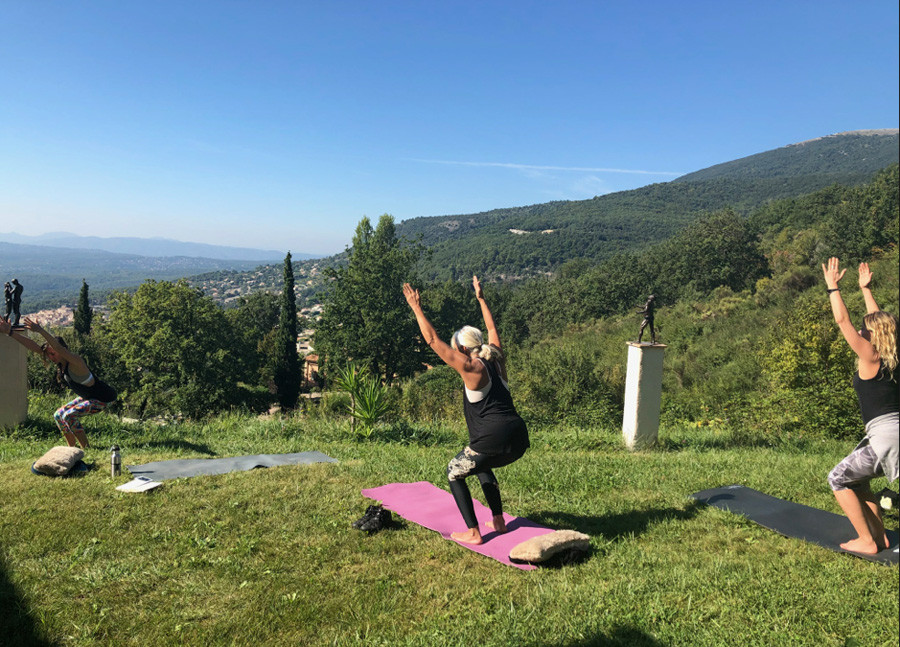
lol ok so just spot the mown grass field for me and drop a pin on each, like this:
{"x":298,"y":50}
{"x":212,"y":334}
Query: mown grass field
{"x":268,"y":557}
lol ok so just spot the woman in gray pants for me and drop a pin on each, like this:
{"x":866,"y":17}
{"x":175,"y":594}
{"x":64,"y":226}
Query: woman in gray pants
{"x":878,"y":391}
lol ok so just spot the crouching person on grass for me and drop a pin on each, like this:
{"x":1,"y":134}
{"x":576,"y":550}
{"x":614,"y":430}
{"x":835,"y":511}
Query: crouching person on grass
{"x":497,"y":435}
{"x":94,"y":395}
{"x":878,"y":391}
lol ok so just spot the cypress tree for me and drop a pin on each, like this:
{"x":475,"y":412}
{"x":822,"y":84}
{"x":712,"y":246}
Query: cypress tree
{"x":287,"y":362}
{"x":83,"y":312}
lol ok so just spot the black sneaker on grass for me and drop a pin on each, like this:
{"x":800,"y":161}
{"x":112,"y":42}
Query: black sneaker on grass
{"x":371,"y":512}
{"x":382,"y":519}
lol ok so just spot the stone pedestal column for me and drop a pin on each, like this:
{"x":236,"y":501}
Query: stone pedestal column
{"x":643,"y":394}
{"x":13,"y":382}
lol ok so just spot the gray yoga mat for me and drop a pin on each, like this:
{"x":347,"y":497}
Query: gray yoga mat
{"x":187,"y":467}
{"x":790,"y":519}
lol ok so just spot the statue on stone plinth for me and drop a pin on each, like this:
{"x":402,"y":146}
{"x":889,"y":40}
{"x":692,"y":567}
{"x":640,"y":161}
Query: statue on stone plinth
{"x":647,"y":311}
{"x":16,"y":301}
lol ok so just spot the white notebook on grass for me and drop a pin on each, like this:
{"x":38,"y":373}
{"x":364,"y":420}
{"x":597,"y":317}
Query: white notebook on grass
{"x":140,"y":484}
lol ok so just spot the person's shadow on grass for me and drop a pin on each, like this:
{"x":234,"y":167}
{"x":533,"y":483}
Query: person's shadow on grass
{"x":622,"y":636}
{"x":17,"y":626}
{"x":615,"y":526}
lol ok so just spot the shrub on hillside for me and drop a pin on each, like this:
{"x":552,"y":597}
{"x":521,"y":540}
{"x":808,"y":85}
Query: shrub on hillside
{"x":577,"y":377}
{"x":808,"y":369}
{"x":435,"y":394}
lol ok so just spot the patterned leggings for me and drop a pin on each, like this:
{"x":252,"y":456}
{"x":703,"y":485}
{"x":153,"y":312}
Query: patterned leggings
{"x":471,"y":463}
{"x":67,"y":416}
{"x":855,"y":471}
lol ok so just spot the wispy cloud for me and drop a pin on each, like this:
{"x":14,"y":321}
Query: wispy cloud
{"x":532,"y":167}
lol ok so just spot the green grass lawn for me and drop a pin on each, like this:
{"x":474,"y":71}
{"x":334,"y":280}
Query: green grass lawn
{"x":268,"y":557}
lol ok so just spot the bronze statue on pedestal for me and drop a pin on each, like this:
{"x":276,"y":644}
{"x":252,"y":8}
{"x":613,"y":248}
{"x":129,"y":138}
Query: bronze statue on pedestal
{"x":647,"y":311}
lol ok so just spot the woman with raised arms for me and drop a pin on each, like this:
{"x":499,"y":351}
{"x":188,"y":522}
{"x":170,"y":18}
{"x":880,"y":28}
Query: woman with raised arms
{"x":878,"y":391}
{"x":497,"y":434}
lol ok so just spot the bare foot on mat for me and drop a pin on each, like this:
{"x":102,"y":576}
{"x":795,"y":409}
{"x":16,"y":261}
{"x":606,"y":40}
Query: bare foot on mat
{"x":498,"y":524}
{"x":861,"y":546}
{"x":470,"y":536}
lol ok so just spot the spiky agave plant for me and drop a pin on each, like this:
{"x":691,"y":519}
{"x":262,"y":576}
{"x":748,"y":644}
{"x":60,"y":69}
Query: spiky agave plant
{"x":350,"y":378}
{"x":371,"y":404}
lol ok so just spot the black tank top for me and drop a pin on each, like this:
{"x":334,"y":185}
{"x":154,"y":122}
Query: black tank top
{"x":99,"y":390}
{"x":877,"y":396}
{"x":495,"y":426}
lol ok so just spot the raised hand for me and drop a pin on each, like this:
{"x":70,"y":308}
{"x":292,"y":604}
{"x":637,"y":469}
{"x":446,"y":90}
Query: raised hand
{"x":865,"y":282}
{"x":479,"y":293}
{"x":412,"y":296}
{"x":865,"y":275}
{"x":33,"y":326}
{"x":833,"y":273}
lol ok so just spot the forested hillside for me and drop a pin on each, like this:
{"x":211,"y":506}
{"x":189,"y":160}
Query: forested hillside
{"x":870,"y":151}
{"x":752,"y":345}
{"x":722,"y":249}
{"x":529,"y":241}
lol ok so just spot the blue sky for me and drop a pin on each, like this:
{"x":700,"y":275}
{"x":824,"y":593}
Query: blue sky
{"x":278,"y":125}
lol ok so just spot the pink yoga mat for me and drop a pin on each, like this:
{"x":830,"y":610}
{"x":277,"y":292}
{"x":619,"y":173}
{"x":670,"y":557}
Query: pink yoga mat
{"x":435,"y":509}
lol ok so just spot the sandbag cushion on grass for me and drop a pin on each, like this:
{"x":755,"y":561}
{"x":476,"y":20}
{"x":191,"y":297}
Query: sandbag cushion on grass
{"x":538,"y":550}
{"x":59,"y":461}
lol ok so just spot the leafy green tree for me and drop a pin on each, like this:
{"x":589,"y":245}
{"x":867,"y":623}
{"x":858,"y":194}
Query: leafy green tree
{"x":576,"y":377}
{"x":286,"y":372}
{"x":450,"y":306}
{"x":431,"y":395}
{"x":866,"y":219}
{"x":717,"y":250}
{"x":174,"y":351}
{"x":254,"y":321}
{"x":84,"y":314}
{"x":365,"y":317}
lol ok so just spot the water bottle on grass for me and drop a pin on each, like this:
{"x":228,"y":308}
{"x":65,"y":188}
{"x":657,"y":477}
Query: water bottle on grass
{"x":115,"y":460}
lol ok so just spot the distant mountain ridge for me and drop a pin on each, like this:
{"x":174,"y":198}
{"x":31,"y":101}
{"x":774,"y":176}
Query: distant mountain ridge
{"x":537,"y":239}
{"x":867,"y":151}
{"x":154,"y":247}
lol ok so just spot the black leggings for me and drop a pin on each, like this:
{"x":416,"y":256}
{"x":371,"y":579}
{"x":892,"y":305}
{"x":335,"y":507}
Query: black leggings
{"x":468,"y":463}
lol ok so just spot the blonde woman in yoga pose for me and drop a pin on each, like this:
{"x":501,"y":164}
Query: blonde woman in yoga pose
{"x":878,"y":391}
{"x":497,"y":434}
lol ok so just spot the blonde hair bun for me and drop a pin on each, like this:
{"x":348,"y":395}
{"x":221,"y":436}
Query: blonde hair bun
{"x":486,"y":352}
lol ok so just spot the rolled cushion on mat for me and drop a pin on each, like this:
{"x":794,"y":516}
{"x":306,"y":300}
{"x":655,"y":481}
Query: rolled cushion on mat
{"x":540,"y":549}
{"x":58,"y":461}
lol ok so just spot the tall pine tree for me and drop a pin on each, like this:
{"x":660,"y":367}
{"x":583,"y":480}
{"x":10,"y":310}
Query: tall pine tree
{"x":84,"y":314}
{"x":287,"y":362}
{"x":366,"y":318}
